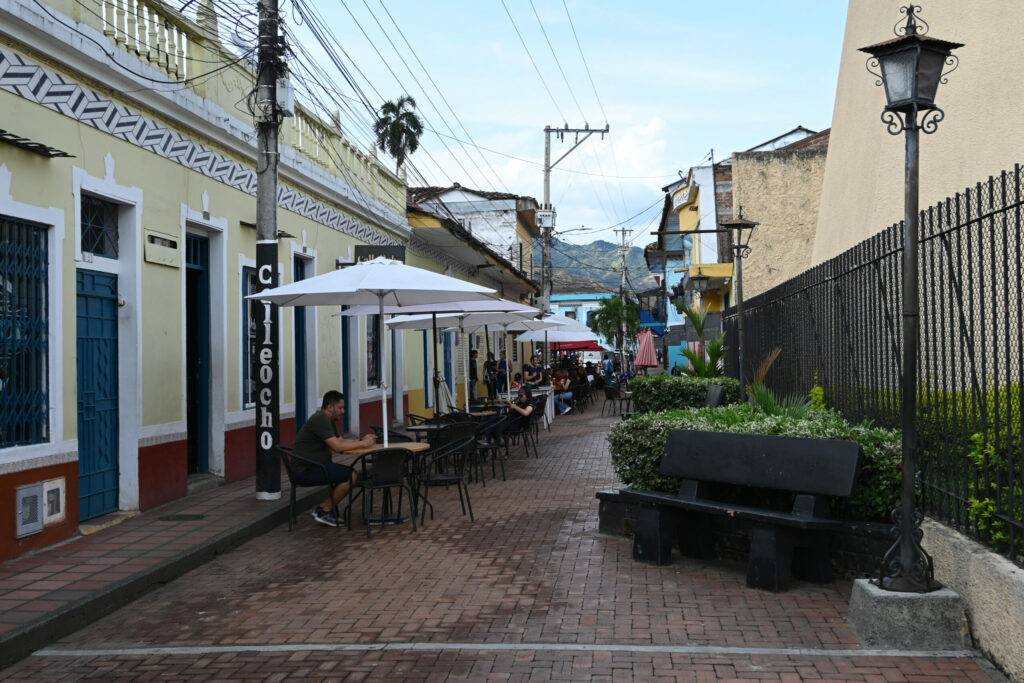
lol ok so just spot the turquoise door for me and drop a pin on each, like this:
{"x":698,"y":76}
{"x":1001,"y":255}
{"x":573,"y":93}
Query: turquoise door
{"x":197,"y":352}
{"x":96,"y":308}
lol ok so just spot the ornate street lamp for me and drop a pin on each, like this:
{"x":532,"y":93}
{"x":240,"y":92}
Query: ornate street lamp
{"x":740,"y":250}
{"x":910,"y":67}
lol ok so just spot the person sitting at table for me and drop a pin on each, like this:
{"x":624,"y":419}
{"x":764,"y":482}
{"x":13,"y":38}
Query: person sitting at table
{"x":532,"y":374}
{"x":562,"y":395}
{"x":318,"y":440}
{"x":518,"y":411}
{"x":517,"y":382}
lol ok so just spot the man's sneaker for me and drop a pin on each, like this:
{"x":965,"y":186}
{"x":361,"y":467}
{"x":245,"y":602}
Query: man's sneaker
{"x":567,"y":410}
{"x":328,"y":518}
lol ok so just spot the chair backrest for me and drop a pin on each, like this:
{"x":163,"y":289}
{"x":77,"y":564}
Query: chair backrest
{"x":716,"y":394}
{"x":804,"y":465}
{"x":386,"y":466}
{"x":611,"y":393}
{"x":285,"y":453}
{"x":456,"y":432}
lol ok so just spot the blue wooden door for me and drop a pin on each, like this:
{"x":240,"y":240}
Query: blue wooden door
{"x":197,"y":352}
{"x":96,"y":307}
{"x":301,"y":409}
{"x":449,"y":368}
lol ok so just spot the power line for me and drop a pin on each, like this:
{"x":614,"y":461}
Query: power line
{"x":535,"y":67}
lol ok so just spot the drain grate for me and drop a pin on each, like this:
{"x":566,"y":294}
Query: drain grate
{"x":180,"y":518}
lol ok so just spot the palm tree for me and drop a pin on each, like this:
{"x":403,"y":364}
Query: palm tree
{"x":612,"y":315}
{"x":398,"y":129}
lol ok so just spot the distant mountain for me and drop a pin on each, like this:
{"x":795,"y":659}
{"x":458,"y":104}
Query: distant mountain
{"x":593,"y":268}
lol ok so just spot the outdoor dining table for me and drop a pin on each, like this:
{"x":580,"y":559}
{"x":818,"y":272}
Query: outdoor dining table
{"x":427,"y":428}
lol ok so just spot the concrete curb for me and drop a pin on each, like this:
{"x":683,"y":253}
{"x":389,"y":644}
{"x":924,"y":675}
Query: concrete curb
{"x":27,"y":638}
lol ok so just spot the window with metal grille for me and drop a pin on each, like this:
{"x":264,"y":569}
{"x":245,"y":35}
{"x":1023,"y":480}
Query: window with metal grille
{"x":23,"y":333}
{"x":99,"y":226}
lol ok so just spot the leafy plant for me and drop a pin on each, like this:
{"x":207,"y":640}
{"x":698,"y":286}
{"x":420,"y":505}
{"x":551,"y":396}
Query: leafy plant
{"x":655,"y":393}
{"x":637,"y":445}
{"x":707,"y":360}
{"x":995,"y":493}
{"x":791,"y":406}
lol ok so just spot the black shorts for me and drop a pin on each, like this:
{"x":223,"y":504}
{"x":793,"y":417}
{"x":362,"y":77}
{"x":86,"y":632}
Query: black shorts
{"x":314,"y":474}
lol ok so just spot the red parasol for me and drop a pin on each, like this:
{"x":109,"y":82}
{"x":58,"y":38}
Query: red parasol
{"x":577,"y":346}
{"x":646,"y":356}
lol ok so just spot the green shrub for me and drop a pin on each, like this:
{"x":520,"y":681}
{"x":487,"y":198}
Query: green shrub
{"x":638,"y":444}
{"x":655,"y":393}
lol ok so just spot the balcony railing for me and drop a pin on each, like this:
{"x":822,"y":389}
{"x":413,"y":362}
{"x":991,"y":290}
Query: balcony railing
{"x":188,"y":50}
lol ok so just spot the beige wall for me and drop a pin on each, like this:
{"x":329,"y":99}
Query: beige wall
{"x":980,"y":136}
{"x":780,"y":190}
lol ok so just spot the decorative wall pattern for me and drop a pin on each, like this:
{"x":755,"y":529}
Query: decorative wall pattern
{"x":42,"y":86}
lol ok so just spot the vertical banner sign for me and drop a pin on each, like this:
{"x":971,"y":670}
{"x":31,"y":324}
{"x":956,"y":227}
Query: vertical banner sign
{"x":268,"y":382}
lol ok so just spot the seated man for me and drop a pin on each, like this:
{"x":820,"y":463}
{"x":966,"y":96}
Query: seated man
{"x":319,"y":440}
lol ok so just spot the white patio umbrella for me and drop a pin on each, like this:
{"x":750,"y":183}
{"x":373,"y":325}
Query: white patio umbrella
{"x":448,"y":308}
{"x":383,"y":282}
{"x":529,"y":324}
{"x":558,"y":334}
{"x":550,"y":321}
{"x":467,"y":321}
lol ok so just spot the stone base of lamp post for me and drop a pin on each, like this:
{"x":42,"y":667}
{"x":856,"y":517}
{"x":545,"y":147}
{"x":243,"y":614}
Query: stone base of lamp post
{"x":882,"y":619}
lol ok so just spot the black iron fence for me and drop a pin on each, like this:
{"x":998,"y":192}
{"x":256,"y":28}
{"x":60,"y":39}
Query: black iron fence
{"x":839,"y":326}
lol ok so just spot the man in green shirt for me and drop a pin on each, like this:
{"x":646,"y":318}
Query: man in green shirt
{"x":318,"y":440}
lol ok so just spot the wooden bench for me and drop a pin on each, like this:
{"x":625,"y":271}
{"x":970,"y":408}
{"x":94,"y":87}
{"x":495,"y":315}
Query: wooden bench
{"x":782,"y":542}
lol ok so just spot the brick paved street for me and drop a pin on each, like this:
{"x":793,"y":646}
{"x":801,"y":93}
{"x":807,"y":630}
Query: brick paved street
{"x":529,"y":591}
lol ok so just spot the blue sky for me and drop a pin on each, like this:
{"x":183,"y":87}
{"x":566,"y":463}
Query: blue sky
{"x":674,"y":79}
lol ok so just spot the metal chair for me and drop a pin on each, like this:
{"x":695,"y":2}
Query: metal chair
{"x":287,"y":456}
{"x":445,"y":467}
{"x":613,"y":396}
{"x":382,"y":470}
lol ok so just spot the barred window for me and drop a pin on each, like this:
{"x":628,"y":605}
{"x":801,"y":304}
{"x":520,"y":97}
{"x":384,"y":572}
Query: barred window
{"x":24,"y":399}
{"x":99,"y":226}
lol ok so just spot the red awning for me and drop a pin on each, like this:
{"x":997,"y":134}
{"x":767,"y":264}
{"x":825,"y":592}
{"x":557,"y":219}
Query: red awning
{"x":577,"y":346}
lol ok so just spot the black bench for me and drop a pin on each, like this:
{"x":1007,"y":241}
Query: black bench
{"x":782,"y":542}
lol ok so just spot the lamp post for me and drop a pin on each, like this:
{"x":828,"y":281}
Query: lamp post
{"x":740,"y":250}
{"x":910,"y":67}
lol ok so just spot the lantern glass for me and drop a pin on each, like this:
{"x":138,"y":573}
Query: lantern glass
{"x":898,"y":75}
{"x":929,"y":71}
{"x":700,"y":282}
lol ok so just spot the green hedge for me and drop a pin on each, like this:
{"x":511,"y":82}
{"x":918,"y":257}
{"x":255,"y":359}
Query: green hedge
{"x":655,"y":393}
{"x":637,"y":446}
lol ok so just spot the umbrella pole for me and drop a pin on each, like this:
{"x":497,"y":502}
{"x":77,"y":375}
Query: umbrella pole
{"x":465,"y":364}
{"x":384,"y":371}
{"x":435,"y":376}
{"x":508,"y":363}
{"x":487,"y":344}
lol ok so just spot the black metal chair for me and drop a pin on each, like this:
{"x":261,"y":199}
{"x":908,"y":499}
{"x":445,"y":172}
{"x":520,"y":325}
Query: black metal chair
{"x":382,"y":470}
{"x":287,"y":456}
{"x":613,"y":396}
{"x":494,"y":448}
{"x":525,"y":428}
{"x":445,"y":466}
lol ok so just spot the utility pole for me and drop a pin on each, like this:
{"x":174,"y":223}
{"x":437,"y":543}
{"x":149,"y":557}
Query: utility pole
{"x":622,"y":296}
{"x":549,"y":225}
{"x":268,"y":383}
